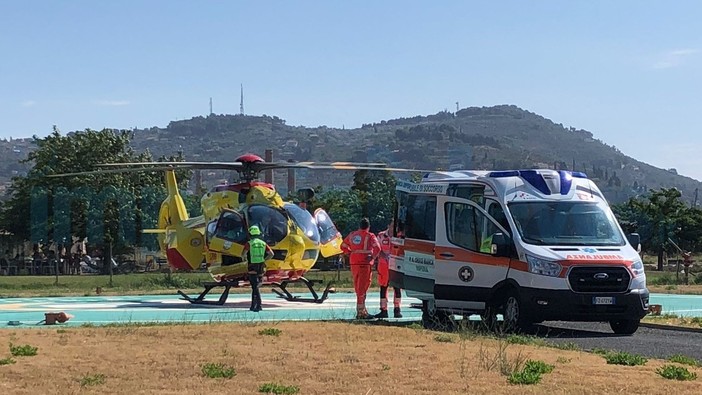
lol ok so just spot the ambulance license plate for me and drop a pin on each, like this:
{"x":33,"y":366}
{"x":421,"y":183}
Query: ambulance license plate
{"x":603,"y":300}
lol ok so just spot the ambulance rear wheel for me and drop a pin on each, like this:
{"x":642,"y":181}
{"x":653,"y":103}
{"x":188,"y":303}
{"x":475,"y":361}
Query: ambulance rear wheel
{"x":624,"y":327}
{"x":435,"y":319}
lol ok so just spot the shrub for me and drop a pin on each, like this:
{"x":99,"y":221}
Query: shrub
{"x":624,"y":358}
{"x":443,"y":338}
{"x":540,"y":367}
{"x":273,"y":388}
{"x":23,"y":351}
{"x":673,"y":372}
{"x":524,"y":377}
{"x":7,"y":361}
{"x":95,"y":379}
{"x":270,"y":332}
{"x":218,"y":370}
{"x":683,"y":359}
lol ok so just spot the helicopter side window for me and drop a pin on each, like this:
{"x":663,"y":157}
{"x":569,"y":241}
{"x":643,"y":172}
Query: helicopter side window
{"x":230,"y":226}
{"x":303,"y":219}
{"x":327,"y":229}
{"x":272,"y":223}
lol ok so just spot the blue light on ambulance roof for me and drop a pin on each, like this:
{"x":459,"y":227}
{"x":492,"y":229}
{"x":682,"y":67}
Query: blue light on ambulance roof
{"x":500,"y":174}
{"x":578,"y":174}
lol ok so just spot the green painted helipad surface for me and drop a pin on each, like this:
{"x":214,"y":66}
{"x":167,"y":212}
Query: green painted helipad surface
{"x":101,"y":310}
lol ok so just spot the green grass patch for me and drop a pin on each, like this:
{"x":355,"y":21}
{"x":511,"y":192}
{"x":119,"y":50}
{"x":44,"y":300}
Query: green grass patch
{"x":278,"y":389}
{"x":92,"y":380}
{"x":624,"y":358}
{"x":146,"y":283}
{"x":218,"y":370}
{"x":7,"y":361}
{"x":683,"y":359}
{"x":443,"y":338}
{"x":526,"y":340}
{"x":540,"y":367}
{"x":600,"y":351}
{"x":569,"y":346}
{"x":524,"y":377}
{"x":23,"y":351}
{"x":270,"y":332}
{"x":674,"y":372}
{"x":531,"y":373}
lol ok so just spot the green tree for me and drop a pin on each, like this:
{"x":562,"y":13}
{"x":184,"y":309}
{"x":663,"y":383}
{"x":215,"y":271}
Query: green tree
{"x":376,"y":193}
{"x":660,"y":216}
{"x":109,"y":209}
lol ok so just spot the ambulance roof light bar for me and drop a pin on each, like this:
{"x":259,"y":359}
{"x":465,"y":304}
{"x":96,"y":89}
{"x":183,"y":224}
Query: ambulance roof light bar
{"x":521,"y":173}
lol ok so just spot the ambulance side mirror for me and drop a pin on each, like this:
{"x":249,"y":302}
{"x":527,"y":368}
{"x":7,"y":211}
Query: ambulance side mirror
{"x":501,"y":245}
{"x":635,"y":241}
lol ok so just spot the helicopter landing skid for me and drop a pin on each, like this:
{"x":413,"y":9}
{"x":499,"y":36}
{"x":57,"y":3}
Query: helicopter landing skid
{"x":208,"y":287}
{"x":281,"y":290}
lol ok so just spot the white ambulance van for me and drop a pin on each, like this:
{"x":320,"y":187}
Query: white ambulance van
{"x":530,"y":245}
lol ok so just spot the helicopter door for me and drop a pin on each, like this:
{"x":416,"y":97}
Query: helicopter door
{"x":230,"y":234}
{"x":329,"y":237}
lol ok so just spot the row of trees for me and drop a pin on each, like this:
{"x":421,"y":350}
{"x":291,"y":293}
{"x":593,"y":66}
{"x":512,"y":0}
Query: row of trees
{"x":659,"y":218}
{"x":107,"y":209}
{"x":111,"y":209}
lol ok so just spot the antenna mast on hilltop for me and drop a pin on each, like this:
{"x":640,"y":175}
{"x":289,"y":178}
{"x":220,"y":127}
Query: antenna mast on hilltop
{"x":241,"y":105}
{"x":210,"y":106}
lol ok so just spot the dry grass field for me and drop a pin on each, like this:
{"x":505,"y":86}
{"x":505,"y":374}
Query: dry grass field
{"x":314,"y":357}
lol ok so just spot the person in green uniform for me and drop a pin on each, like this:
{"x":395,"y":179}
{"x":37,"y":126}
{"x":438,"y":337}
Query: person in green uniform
{"x":256,"y":252}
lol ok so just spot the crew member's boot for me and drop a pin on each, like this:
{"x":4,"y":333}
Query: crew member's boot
{"x":397,"y":313}
{"x":383,"y":305}
{"x":362,"y":313}
{"x":383,"y":314}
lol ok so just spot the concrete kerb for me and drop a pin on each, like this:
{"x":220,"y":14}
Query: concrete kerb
{"x":670,"y":327}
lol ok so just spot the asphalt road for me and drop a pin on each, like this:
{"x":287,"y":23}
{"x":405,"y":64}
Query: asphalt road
{"x":654,"y":343}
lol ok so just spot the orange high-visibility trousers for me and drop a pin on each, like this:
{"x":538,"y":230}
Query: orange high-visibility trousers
{"x":361,"y":282}
{"x":383,"y":272}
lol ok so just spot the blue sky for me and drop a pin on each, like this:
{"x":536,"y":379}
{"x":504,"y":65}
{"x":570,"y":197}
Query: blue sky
{"x":628,"y":71}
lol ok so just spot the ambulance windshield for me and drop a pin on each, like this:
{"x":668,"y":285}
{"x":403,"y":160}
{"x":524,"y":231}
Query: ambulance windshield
{"x":566,"y":223}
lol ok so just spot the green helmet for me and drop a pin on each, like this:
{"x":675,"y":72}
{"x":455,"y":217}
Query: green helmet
{"x":254,"y":231}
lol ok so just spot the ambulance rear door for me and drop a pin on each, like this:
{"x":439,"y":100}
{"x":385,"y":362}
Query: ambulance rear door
{"x":465,"y":269}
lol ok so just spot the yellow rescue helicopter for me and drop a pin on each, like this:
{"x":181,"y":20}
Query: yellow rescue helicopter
{"x":217,"y":237}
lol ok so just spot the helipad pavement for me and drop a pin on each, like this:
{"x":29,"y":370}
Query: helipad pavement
{"x":101,"y":310}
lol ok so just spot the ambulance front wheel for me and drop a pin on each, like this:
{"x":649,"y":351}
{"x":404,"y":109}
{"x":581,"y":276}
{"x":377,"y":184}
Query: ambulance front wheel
{"x":513,"y":319}
{"x":624,"y":327}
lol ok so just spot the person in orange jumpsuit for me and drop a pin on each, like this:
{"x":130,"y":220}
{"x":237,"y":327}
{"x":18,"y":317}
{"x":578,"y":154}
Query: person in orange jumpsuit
{"x":384,"y":238}
{"x":362,"y":247}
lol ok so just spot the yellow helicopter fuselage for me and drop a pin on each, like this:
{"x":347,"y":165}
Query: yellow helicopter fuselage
{"x":217,"y":238}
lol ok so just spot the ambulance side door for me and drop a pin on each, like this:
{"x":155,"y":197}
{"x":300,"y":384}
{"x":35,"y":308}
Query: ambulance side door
{"x":465,"y":268}
{"x":417,"y":225}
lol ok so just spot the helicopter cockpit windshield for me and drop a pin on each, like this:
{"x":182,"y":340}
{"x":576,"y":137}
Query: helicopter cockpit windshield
{"x":271,"y":222}
{"x":303,"y":219}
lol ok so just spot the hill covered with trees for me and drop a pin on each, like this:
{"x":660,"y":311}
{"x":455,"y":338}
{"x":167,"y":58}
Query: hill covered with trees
{"x":499,"y":137}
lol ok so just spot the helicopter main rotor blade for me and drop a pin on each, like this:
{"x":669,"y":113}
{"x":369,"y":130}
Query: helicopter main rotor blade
{"x":108,"y":171}
{"x":352,"y":167}
{"x":182,"y":165}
